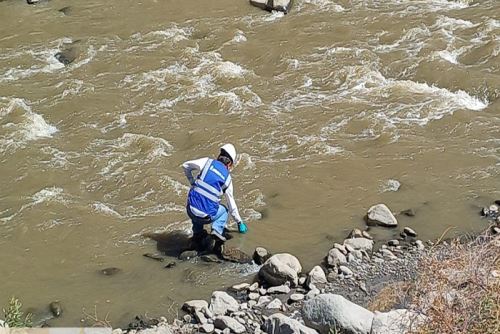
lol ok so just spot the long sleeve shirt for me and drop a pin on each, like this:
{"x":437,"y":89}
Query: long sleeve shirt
{"x":197,"y":165}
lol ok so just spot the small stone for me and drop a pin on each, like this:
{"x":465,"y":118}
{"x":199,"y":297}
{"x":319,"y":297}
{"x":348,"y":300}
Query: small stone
{"x":206,"y":328}
{"x":381,"y":215}
{"x":210,"y":258}
{"x":187,"y":255}
{"x":279,"y":289}
{"x":393,"y":242}
{"x":317,"y":276}
{"x":485,"y":212}
{"x":187,"y":318}
{"x":275,"y":304}
{"x":378,"y":260}
{"x":408,"y":213}
{"x":348,"y":247}
{"x":388,"y":254}
{"x":355,"y":233}
{"x":192,"y":306}
{"x":296,"y":297}
{"x":251,"y":303}
{"x":170,"y":265}
{"x":493,"y":209}
{"x":410,"y":232}
{"x":253,"y":296}
{"x":360,"y":244}
{"x":420,"y":245}
{"x":313,"y":293}
{"x":262,"y":291}
{"x":156,"y":257}
{"x":56,"y":309}
{"x":110,"y":271}
{"x":200,"y":317}
{"x":240,"y":287}
{"x":495,"y":230}
{"x":335,"y":258}
{"x":366,"y":235}
{"x":345,"y":270}
{"x":261,"y":255}
{"x":221,"y":303}
{"x":302,"y":280}
{"x":254,"y":287}
{"x":263,"y":300}
{"x":228,"y":323}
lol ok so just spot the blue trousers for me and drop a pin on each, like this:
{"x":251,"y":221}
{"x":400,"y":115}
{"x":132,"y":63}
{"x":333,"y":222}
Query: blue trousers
{"x":218,"y":222}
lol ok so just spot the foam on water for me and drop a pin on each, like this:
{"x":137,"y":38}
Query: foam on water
{"x":105,"y":209}
{"x":20,"y":124}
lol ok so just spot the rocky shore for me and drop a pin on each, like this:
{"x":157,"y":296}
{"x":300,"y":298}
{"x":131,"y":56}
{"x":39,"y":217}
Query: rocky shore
{"x":357,"y":289}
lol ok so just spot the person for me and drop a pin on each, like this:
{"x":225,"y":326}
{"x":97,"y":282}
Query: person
{"x":207,"y":188}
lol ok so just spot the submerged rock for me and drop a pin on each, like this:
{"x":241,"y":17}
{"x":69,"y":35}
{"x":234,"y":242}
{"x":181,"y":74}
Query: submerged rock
{"x":56,"y":309}
{"x":232,"y":254}
{"x":270,"y":5}
{"x":110,"y":271}
{"x":65,"y":10}
{"x":281,"y":268}
{"x":67,"y":55}
{"x":381,"y":215}
{"x":408,"y":213}
{"x":157,"y":257}
{"x":187,"y":255}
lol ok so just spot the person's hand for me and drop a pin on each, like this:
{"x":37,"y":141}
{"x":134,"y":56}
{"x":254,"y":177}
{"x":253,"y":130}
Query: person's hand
{"x":242,"y":227}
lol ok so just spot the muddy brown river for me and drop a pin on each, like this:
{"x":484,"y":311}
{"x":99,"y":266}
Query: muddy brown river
{"x":328,"y":107}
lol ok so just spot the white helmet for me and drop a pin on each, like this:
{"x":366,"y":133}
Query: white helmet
{"x":230,"y":150}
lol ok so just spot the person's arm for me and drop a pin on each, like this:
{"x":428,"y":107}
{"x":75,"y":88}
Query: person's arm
{"x":193,"y":165}
{"x":231,"y":203}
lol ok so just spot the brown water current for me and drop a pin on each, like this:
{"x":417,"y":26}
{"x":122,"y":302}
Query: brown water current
{"x":326,"y":106}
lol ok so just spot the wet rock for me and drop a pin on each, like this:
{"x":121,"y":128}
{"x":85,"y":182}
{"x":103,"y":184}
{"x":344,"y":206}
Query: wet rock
{"x":157,"y":257}
{"x":316,"y":276}
{"x":283,"y":289}
{"x":65,"y":10}
{"x":367,"y":235}
{"x":393,"y":242}
{"x":281,"y":268}
{"x":362,"y":244}
{"x":408,"y":213}
{"x":330,"y":310}
{"x":67,"y":55}
{"x":110,"y":271}
{"x":261,"y":255}
{"x":356,"y":233}
{"x":281,"y":324}
{"x":56,"y":309}
{"x":170,"y":265}
{"x":224,"y":322}
{"x":221,"y":303}
{"x":381,"y":215}
{"x":270,"y":5}
{"x":410,"y":232}
{"x":187,"y":255}
{"x":396,"y":322}
{"x":236,"y":255}
{"x":335,"y":257}
{"x":193,"y":306}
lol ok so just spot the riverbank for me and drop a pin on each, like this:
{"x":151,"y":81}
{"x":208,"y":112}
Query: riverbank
{"x":402,"y":285}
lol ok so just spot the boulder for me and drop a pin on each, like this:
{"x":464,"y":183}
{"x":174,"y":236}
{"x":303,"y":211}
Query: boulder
{"x":281,"y":324}
{"x":396,"y":322}
{"x":281,"y":268}
{"x":328,"y":311}
{"x":261,"y":255}
{"x":362,"y":244}
{"x":223,"y":322}
{"x":381,"y":215}
{"x":270,"y":5}
{"x":316,"y":276}
{"x":335,"y":257}
{"x":221,"y":303}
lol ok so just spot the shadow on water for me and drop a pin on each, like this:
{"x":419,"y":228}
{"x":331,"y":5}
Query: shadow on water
{"x":171,"y":243}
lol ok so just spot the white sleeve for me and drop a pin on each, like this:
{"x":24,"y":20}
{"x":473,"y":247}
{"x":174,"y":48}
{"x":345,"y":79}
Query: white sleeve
{"x":231,"y":203}
{"x":193,"y":165}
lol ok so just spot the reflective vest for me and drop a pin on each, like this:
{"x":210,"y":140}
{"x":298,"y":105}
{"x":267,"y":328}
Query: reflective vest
{"x":205,"y":195}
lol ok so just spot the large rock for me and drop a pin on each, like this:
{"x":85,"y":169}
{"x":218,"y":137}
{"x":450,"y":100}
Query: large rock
{"x":270,"y":5}
{"x":361,"y":244}
{"x":335,"y":257}
{"x":381,"y":215}
{"x":281,"y":324}
{"x":281,"y":268}
{"x":316,"y":277}
{"x":221,"y":303}
{"x":223,"y":322}
{"x":396,"y":322}
{"x":328,"y":311}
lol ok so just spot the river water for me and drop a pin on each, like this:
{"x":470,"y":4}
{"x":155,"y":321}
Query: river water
{"x":327,"y":106}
